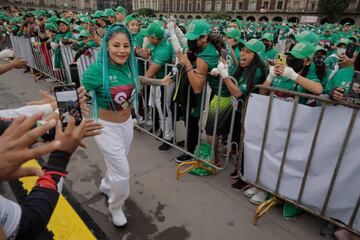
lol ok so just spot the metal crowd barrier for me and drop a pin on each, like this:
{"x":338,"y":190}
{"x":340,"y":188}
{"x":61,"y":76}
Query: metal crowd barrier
{"x":298,"y":201}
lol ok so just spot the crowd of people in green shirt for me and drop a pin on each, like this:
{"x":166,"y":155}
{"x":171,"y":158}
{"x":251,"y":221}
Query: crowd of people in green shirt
{"x":301,"y":57}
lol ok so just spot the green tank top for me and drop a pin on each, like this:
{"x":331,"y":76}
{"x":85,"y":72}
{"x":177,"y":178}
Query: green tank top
{"x":211,"y":56}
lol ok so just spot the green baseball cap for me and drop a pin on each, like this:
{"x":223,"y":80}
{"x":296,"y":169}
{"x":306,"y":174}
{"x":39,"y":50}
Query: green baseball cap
{"x":342,"y":41}
{"x":84,"y":19}
{"x":77,"y":28}
{"x":268,"y":36}
{"x":320,"y":48}
{"x":307,"y":36}
{"x":197,"y":28}
{"x":63,"y":21}
{"x":233,"y":33}
{"x":155,"y":30}
{"x":84,"y":33}
{"x":131,"y":17}
{"x":97,"y":14}
{"x":120,"y":9}
{"x":255,"y":45}
{"x":51,"y":27}
{"x":302,"y":50}
{"x":109,"y":13}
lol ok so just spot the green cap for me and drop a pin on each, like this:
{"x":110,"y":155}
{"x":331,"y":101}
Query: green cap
{"x":320,"y":48}
{"x":268,"y":36}
{"x":233,"y":33}
{"x":50,"y":26}
{"x":131,"y":17}
{"x":109,"y":13}
{"x":63,"y":21}
{"x":78,"y":28}
{"x":302,"y":50}
{"x":120,"y":9}
{"x":307,"y":36}
{"x":97,"y":14}
{"x":342,"y":41}
{"x":84,"y":20}
{"x":237,"y":22}
{"x":197,"y":28}
{"x":155,"y":30}
{"x":347,"y":24}
{"x":255,"y":45}
{"x":84,"y":33}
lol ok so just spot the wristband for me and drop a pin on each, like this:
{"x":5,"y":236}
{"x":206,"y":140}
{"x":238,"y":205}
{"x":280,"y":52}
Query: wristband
{"x":189,"y":69}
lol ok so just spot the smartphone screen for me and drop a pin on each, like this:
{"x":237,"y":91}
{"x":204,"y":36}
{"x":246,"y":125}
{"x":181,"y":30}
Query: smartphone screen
{"x":281,"y":59}
{"x":68,"y":104}
{"x":74,"y":72}
{"x":350,"y":50}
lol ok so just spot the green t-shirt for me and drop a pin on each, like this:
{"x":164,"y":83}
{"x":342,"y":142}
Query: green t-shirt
{"x":90,"y":44}
{"x":120,"y":84}
{"x":160,"y":55}
{"x":138,"y":39}
{"x":342,"y":78}
{"x":59,"y":36}
{"x":288,"y":84}
{"x":331,"y":61}
{"x":243,"y":81}
{"x":270,"y":54}
{"x":211,"y":56}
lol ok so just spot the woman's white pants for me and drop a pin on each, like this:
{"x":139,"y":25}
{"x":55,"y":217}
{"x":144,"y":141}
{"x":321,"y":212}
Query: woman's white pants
{"x":114,"y":143}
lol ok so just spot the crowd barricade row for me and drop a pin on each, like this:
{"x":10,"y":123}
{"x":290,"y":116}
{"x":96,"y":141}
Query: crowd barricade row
{"x":300,"y":154}
{"x":307,"y":156}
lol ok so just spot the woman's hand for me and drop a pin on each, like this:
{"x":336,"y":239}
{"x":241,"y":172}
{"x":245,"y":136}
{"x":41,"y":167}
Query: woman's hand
{"x":287,"y":72}
{"x":271,"y":75}
{"x":223,"y":70}
{"x":183,"y":59}
{"x":46,"y":98}
{"x":338,"y":94}
{"x":167,"y":80}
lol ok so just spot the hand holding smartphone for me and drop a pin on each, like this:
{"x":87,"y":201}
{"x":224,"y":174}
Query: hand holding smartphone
{"x":68,"y":103}
{"x":281,"y":59}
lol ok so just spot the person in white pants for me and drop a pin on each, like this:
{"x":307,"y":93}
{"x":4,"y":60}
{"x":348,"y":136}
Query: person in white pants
{"x":115,"y":84}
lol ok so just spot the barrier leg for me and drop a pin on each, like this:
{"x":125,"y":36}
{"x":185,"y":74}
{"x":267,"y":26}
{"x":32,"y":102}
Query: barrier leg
{"x":263,"y":208}
{"x":180,"y":170}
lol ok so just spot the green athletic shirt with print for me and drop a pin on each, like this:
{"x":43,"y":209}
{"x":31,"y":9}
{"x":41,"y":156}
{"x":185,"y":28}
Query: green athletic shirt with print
{"x":270,"y":54}
{"x":160,"y":55}
{"x":211,"y":56}
{"x":138,"y":39}
{"x":288,"y":84}
{"x":342,"y":78}
{"x":243,"y":81}
{"x":120,"y":84}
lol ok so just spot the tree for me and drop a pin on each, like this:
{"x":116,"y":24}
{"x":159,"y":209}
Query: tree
{"x":146,"y":12}
{"x":333,"y":8}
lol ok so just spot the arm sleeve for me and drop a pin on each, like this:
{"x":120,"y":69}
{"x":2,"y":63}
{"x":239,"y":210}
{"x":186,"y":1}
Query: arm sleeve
{"x":39,"y":205}
{"x":26,"y":110}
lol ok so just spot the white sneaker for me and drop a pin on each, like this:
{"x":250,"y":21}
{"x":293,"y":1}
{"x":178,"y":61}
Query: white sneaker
{"x":251,"y":192}
{"x":105,"y":191}
{"x":118,"y":217}
{"x":259,"y":198}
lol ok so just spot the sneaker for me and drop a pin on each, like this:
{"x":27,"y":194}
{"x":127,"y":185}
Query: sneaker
{"x":105,"y":191}
{"x":251,"y":192}
{"x":183,"y":158}
{"x":181,"y":143}
{"x":165,"y":146}
{"x":118,"y":217}
{"x":235,"y":174}
{"x":239,"y":185}
{"x":259,"y":198}
{"x":328,"y":230}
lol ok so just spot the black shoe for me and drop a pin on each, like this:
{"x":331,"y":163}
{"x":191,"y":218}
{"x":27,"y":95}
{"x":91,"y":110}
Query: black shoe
{"x":183,"y":158}
{"x":235,"y":174}
{"x":165,"y":146}
{"x":239,"y":185}
{"x":181,"y":143}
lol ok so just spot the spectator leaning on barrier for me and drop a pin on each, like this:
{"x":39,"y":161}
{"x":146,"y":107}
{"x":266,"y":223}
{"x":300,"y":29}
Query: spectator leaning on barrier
{"x":203,"y":44}
{"x":250,"y":72}
{"x":161,"y":53}
{"x":318,"y":66}
{"x":296,"y":74}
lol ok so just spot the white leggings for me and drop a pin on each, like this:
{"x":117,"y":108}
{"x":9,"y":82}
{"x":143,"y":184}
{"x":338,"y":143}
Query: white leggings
{"x":114,"y":143}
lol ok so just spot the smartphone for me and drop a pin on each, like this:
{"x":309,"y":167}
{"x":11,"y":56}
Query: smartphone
{"x":74,"y":73}
{"x":281,"y":58}
{"x":68,"y":103}
{"x":350,"y":50}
